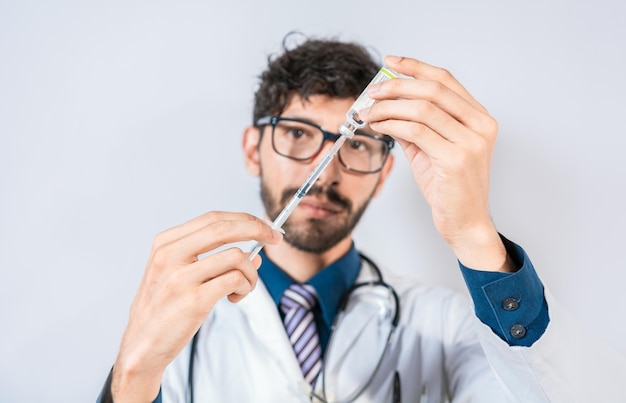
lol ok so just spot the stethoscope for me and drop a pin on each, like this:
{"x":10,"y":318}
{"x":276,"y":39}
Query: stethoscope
{"x":378,"y":282}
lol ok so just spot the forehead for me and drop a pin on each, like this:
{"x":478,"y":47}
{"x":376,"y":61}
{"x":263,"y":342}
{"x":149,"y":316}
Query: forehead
{"x":323,"y":110}
{"x":318,"y":105}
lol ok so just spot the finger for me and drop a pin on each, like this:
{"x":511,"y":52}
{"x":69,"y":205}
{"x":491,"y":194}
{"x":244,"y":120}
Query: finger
{"x":215,"y":265}
{"x":410,"y":149}
{"x":419,"y":111}
{"x":218,"y":233}
{"x":230,"y":282}
{"x":199,"y":222}
{"x":439,"y":95}
{"x":421,"y":70}
{"x":419,"y":134}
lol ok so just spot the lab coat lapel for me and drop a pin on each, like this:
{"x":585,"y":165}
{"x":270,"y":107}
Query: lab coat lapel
{"x":268,"y":329}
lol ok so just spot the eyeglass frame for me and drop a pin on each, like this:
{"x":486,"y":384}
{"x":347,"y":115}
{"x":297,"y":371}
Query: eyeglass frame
{"x":328,"y":136}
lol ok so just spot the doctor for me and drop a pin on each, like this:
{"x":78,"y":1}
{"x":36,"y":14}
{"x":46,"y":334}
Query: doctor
{"x":223,"y":329}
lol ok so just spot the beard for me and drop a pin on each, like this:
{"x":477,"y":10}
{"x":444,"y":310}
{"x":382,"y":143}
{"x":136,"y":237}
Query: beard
{"x":314,"y":235}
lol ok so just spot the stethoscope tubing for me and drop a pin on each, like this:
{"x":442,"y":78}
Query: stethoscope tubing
{"x":342,"y":306}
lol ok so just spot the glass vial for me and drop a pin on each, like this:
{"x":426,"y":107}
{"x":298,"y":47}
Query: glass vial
{"x":353,"y":122}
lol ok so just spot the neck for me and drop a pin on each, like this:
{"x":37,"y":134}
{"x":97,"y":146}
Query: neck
{"x":301,"y":265}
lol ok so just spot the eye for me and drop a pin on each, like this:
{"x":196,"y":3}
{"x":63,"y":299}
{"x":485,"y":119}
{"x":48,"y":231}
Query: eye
{"x":296,"y":133}
{"x":357,"y":145}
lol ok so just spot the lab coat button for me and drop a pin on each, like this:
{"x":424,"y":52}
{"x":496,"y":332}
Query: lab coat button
{"x":510,"y":304}
{"x":518,"y":331}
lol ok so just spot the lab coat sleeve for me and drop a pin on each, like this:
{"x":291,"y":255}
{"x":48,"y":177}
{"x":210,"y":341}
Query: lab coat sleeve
{"x":567,"y":364}
{"x":561,"y":361}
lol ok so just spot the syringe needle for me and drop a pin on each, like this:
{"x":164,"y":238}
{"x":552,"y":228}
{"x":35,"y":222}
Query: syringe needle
{"x":304,"y":189}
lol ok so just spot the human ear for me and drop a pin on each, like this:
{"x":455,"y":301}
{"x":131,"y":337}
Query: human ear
{"x":250,"y":146}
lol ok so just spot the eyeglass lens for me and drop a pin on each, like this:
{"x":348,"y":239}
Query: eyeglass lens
{"x":301,"y":141}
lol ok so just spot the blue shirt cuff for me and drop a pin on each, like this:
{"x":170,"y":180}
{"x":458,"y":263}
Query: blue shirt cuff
{"x":513,"y":305}
{"x":105,"y":394}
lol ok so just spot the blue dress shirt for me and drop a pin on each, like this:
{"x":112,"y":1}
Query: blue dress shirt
{"x":331,"y":284}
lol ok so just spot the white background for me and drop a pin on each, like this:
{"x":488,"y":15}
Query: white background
{"x":120,"y":119}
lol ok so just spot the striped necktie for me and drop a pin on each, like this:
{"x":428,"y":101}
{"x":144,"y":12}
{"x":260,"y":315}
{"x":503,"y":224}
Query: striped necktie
{"x":297,"y":304}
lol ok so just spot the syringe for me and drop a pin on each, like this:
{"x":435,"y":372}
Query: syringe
{"x":347,"y":130}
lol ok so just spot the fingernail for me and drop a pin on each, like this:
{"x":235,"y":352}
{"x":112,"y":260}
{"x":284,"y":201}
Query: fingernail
{"x":394,"y":59}
{"x":363,"y":113}
{"x":271,"y":224}
{"x":278,"y":233}
{"x":373,"y":89}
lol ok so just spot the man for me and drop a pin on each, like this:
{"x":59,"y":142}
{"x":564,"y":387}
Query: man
{"x":185,"y":342}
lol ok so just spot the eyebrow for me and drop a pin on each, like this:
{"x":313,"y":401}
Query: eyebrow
{"x":304,"y":118}
{"x":308,"y":120}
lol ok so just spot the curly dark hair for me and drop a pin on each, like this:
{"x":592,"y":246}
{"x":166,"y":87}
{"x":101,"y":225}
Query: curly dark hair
{"x":315,"y":67}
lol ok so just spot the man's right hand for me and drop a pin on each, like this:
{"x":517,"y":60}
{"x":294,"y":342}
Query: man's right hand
{"x":177,"y":292}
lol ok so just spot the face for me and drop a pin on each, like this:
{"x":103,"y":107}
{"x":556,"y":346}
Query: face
{"x":333,"y":206}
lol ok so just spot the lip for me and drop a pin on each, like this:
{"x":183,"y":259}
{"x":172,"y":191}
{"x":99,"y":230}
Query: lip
{"x":316,"y":208}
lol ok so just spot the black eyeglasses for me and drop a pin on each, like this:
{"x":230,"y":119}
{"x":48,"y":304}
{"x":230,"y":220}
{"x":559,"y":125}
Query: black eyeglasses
{"x":301,"y":140}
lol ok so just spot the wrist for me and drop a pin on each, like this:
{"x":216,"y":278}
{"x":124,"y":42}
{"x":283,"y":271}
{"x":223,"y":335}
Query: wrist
{"x":134,"y":382}
{"x":481,"y":248}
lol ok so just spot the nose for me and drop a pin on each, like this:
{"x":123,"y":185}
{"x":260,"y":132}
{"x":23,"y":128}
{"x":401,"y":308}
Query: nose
{"x":332,"y":173}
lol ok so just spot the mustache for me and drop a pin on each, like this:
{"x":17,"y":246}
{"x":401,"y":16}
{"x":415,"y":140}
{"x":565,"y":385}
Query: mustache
{"x":327,"y":192}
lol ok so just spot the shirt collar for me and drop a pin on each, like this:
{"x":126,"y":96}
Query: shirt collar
{"x":331,"y":283}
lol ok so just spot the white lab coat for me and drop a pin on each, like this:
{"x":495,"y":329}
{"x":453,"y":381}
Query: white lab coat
{"x":440,"y":350}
